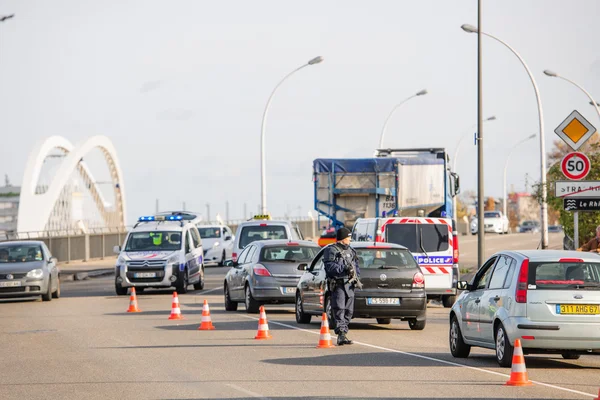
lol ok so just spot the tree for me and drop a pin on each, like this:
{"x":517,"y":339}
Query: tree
{"x":490,"y":204}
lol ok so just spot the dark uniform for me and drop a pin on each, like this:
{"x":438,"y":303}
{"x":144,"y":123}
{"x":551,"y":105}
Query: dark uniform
{"x":341,"y":267}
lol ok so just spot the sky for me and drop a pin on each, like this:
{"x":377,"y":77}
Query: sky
{"x":180,"y":88}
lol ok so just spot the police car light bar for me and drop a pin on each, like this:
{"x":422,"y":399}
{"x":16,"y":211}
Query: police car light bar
{"x":160,"y":218}
{"x":146,"y":219}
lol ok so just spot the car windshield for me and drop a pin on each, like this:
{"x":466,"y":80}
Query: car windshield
{"x":491,"y":215}
{"x":20,"y":253}
{"x":209,"y":233}
{"x":385,"y":258}
{"x":288,"y":253}
{"x":251,"y":233}
{"x":564,"y":275}
{"x":154,"y":241}
{"x":416,"y":237}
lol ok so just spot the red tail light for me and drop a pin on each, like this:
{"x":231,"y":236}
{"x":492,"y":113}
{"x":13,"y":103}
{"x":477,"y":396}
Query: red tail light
{"x":261,"y":270}
{"x":234,"y":256}
{"x":418,"y":281}
{"x":570,"y":260}
{"x":521,"y":292}
{"x":455,"y":245}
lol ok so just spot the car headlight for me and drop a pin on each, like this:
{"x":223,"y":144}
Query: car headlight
{"x":217,"y":244}
{"x":174,"y":259}
{"x":36,"y":274}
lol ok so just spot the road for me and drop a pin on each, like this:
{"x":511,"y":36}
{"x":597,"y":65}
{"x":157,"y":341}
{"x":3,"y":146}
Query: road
{"x":86,"y":345}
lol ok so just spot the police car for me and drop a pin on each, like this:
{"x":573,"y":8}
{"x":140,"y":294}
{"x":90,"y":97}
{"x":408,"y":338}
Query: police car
{"x":432,"y":242}
{"x":262,"y":227}
{"x":161,"y":251}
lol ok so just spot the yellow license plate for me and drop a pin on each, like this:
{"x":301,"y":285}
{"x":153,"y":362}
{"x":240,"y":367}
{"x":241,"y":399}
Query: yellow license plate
{"x":578,"y":309}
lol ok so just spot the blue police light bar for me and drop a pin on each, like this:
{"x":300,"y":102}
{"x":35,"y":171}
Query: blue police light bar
{"x":146,"y":218}
{"x":174,"y":218}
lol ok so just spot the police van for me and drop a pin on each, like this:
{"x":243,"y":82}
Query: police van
{"x":430,"y":240}
{"x":161,"y":251}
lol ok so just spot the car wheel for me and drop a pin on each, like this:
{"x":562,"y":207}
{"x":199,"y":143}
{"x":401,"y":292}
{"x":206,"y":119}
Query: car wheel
{"x":329,"y":312}
{"x":182,"y":288}
{"x":200,"y":284}
{"x":121,"y":291}
{"x":252,"y":305}
{"x":56,"y":293}
{"x":301,"y":316}
{"x":384,"y":321}
{"x":415,"y":325}
{"x":458,"y":347}
{"x":223,"y":257}
{"x":571,"y":356}
{"x":504,"y":350}
{"x":229,"y":304}
{"x":448,"y":301}
{"x":48,"y":295}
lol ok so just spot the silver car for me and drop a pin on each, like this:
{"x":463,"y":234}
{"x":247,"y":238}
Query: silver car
{"x":266,"y":271}
{"x":550,"y":299}
{"x":28,"y":269}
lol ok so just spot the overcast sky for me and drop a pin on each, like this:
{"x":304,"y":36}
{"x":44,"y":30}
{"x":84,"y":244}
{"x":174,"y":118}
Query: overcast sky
{"x":180,"y":88}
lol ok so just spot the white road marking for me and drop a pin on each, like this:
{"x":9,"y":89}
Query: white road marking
{"x":213,"y":290}
{"x":432,"y":359}
{"x":241,"y":389}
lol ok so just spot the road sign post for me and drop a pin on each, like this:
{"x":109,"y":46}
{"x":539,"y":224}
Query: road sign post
{"x":576,"y":229}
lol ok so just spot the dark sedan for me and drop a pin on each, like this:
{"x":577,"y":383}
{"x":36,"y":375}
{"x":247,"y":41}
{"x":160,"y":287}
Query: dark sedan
{"x":266,"y":271}
{"x":393,"y":287}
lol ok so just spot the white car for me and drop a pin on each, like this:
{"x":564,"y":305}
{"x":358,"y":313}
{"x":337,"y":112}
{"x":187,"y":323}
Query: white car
{"x":494,"y":222}
{"x":217,"y":241}
{"x":261,"y":227}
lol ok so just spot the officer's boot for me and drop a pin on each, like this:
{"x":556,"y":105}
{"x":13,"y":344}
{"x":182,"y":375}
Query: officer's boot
{"x":341,"y":339}
{"x":346,"y":340}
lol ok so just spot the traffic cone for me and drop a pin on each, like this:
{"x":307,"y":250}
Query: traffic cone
{"x":598,"y":398}
{"x":325,"y":336}
{"x":518,"y":372}
{"x":133,"y":307}
{"x":175,"y":310}
{"x":263,"y":326}
{"x":206,"y":324}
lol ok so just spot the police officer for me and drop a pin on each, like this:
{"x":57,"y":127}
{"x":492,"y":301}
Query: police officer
{"x":341,"y":267}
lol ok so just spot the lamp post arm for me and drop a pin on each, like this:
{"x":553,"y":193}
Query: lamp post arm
{"x":584,"y":91}
{"x":387,"y":120}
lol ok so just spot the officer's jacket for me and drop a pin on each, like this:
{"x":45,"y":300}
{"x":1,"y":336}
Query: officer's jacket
{"x":335,"y":266}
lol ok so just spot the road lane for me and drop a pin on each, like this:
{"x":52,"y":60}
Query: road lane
{"x":86,"y":345}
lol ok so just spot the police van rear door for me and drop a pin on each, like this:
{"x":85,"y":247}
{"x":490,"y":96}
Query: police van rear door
{"x":430,"y":242}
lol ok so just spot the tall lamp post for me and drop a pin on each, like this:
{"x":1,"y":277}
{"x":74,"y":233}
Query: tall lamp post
{"x":467,"y":134}
{"x":263,"y":173}
{"x":544,"y":199}
{"x":504,"y":207}
{"x":592,"y":101}
{"x":420,"y":93}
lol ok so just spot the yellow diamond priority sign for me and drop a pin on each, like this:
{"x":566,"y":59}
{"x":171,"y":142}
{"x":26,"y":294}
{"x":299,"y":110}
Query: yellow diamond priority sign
{"x":575,"y":130}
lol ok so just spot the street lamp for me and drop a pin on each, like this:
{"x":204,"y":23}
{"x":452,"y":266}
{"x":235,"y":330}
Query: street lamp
{"x":263,"y":176}
{"x":420,"y":93}
{"x":544,"y":199}
{"x":467,"y":134}
{"x":592,"y":101}
{"x":504,"y":208}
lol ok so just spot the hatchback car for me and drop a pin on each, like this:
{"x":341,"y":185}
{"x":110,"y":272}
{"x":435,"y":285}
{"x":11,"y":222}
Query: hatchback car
{"x":393,"y":287}
{"x":549,"y":299}
{"x":28,"y":269}
{"x":266,"y":272}
{"x":217,"y":242}
{"x":529,"y":226}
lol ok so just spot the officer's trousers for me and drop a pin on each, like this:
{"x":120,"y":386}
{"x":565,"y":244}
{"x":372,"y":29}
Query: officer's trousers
{"x":342,"y":307}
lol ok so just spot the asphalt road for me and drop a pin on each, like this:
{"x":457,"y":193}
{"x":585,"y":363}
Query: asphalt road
{"x":86,"y":345}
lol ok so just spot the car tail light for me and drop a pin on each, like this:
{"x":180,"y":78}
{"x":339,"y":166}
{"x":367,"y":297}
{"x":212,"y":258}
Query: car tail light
{"x":521,"y":292}
{"x":455,"y":246}
{"x":263,"y":225}
{"x":418,"y":281}
{"x":293,"y":244}
{"x":234,"y":256}
{"x":570,"y":260}
{"x":260,"y":270}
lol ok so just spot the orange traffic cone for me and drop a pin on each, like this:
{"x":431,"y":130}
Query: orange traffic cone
{"x":263,"y":326}
{"x":133,"y":307}
{"x":206,"y":324}
{"x":325,"y":336}
{"x":518,"y":372}
{"x":175,"y":310}
{"x":598,"y":398}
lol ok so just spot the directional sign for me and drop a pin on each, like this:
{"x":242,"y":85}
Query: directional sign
{"x":570,"y":189}
{"x":581,"y":204}
{"x":575,"y":130}
{"x":575,"y":166}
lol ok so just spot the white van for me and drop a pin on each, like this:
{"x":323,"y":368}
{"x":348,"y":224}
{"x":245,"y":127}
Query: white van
{"x":430,"y":240}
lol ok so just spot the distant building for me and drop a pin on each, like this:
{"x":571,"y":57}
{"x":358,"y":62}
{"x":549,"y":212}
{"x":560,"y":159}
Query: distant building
{"x":524,"y":207}
{"x":9,"y":208}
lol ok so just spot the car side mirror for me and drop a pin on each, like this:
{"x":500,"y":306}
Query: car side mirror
{"x":54,"y":260}
{"x":462,"y":285}
{"x":302,"y":267}
{"x":117,"y":249}
{"x":231,"y":263}
{"x":227,"y":238}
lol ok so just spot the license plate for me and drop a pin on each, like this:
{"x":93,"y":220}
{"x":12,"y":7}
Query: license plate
{"x":383,"y":300}
{"x":578,"y":309}
{"x":10,"y":284}
{"x":289,"y":290}
{"x":144,"y":275}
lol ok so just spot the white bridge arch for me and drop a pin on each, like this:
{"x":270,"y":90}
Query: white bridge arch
{"x":46,"y":210}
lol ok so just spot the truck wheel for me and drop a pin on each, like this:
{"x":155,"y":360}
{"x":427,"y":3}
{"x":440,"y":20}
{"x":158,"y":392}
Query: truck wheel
{"x":448,"y":301}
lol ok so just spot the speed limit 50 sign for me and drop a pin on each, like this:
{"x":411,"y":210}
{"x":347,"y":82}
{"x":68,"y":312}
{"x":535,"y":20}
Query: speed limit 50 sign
{"x":575,"y":166}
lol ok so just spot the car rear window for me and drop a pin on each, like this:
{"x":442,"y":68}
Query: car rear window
{"x":251,"y":234}
{"x":564,"y":275}
{"x":288,"y":253}
{"x":385,"y":258}
{"x":418,"y":237}
{"x":491,"y":215}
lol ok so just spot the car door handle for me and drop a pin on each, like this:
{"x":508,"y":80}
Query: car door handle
{"x":477,"y":301}
{"x":497,"y":298}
